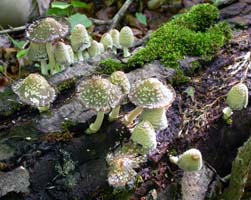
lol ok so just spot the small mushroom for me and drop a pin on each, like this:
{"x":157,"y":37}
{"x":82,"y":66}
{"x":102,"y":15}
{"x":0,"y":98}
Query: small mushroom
{"x":126,"y":40}
{"x":121,"y":171}
{"x":45,"y":31}
{"x":94,"y":49}
{"x":120,"y":79}
{"x":80,"y":40}
{"x":98,"y":94}
{"x":71,"y":54}
{"x":237,"y":97}
{"x":149,"y":94}
{"x":106,"y":40}
{"x":101,"y":47}
{"x":144,"y":134}
{"x":62,"y":55}
{"x":35,"y":91}
{"x":190,"y":160}
{"x":37,"y":52}
{"x":115,"y":38}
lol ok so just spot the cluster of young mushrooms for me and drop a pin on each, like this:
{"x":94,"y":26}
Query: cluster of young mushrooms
{"x":150,"y":96}
{"x":46,"y":35}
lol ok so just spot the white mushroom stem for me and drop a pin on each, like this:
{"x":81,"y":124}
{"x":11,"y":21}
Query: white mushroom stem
{"x":80,"y":56}
{"x":94,"y":127}
{"x":114,"y":114}
{"x":131,"y":116}
{"x":52,"y":60}
{"x":43,"y":66}
{"x":126,"y":52}
{"x":114,"y":49}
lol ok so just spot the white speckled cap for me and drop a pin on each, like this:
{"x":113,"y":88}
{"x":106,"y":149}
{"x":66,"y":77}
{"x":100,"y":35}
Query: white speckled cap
{"x":120,"y":79}
{"x":35,"y":91}
{"x":151,"y":93}
{"x":99,"y":94}
{"x":47,"y":29}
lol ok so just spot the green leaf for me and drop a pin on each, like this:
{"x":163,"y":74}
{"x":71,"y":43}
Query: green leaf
{"x":79,"y":4}
{"x":1,"y":68}
{"x":22,"y":53}
{"x":58,"y":12}
{"x":60,"y":5}
{"x":79,"y":19}
{"x":18,"y":44}
{"x":141,"y":18}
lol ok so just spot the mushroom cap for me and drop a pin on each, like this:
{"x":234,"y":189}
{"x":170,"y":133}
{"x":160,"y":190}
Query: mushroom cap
{"x":35,"y":91}
{"x":120,"y":79}
{"x":151,"y":93}
{"x":61,"y":53}
{"x":80,"y":39}
{"x":237,"y":97}
{"x":144,"y":134}
{"x":98,"y":94}
{"x":115,"y":38}
{"x":37,"y":52}
{"x":101,"y":47}
{"x":126,"y":37}
{"x":94,"y":49}
{"x":107,"y":41}
{"x":190,"y":160}
{"x":47,"y":29}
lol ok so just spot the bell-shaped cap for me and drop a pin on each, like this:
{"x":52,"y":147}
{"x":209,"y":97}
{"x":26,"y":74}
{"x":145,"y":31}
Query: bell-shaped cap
{"x":151,"y":93}
{"x":99,"y":94}
{"x":237,"y":97}
{"x":115,"y":38}
{"x":94,"y":49}
{"x":190,"y":160}
{"x":107,"y":41}
{"x":144,"y":134}
{"x":47,"y":29}
{"x":35,"y":91}
{"x":61,"y":53}
{"x":120,"y":79}
{"x":126,"y":38}
{"x":37,"y":52}
{"x":80,"y":39}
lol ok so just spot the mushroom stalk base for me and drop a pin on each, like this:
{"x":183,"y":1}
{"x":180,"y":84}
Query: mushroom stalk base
{"x":132,"y":115}
{"x":126,"y":52}
{"x":52,"y":60}
{"x":43,"y":66}
{"x":94,"y":127}
{"x":114,"y":114}
{"x":80,"y":56}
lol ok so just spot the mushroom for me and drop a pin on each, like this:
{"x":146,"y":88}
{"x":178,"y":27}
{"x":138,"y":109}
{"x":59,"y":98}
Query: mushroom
{"x":45,"y":31}
{"x":80,"y":40}
{"x":37,"y":52}
{"x":62,"y":55}
{"x":35,"y":91}
{"x":101,"y":47}
{"x":150,"y":94}
{"x":144,"y":134}
{"x":121,"y":171}
{"x":120,"y":79}
{"x":237,"y":97}
{"x":106,"y":40}
{"x":94,"y":49}
{"x":126,"y":40}
{"x":71,"y":54}
{"x":115,"y":38}
{"x":190,"y":160}
{"x":98,"y":94}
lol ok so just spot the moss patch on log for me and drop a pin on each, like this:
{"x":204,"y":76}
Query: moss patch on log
{"x":194,"y":33}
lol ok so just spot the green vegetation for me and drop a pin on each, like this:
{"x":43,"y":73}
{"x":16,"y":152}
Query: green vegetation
{"x":191,"y":34}
{"x":109,"y":66}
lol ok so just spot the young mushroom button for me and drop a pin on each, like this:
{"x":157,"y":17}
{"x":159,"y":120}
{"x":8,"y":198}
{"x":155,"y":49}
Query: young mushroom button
{"x":45,"y":31}
{"x":149,"y":94}
{"x":98,"y":94}
{"x":34,"y":90}
{"x":126,"y":40}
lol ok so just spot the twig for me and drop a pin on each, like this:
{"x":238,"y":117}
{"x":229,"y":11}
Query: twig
{"x":101,"y":22}
{"x":12,"y":29}
{"x":120,"y":13}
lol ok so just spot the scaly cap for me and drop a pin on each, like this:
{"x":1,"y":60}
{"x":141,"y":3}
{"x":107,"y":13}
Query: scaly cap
{"x":62,"y":55}
{"x":126,"y":37}
{"x":106,"y":40}
{"x":120,"y":79}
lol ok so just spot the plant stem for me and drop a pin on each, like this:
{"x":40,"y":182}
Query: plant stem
{"x":94,"y":127}
{"x":132,"y":115}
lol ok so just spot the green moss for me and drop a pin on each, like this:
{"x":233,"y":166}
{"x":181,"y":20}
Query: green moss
{"x":110,"y":65}
{"x":67,"y":84}
{"x":190,"y":34}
